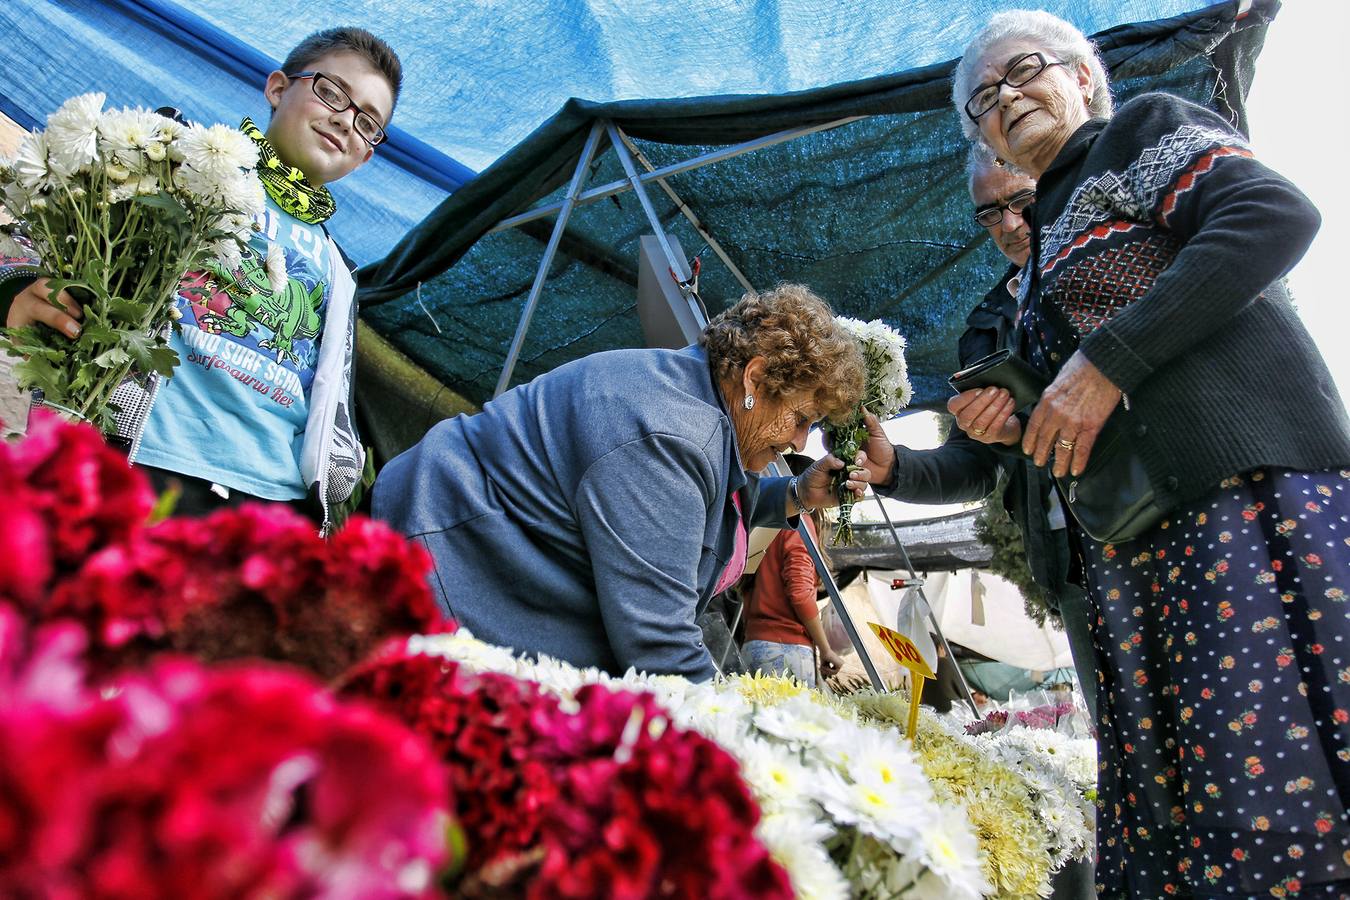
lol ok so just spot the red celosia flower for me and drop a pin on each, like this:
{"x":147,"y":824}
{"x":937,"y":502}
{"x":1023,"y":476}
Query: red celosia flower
{"x":648,"y":810}
{"x":64,"y":494}
{"x":488,"y":729}
{"x":253,"y":581}
{"x":238,"y":783}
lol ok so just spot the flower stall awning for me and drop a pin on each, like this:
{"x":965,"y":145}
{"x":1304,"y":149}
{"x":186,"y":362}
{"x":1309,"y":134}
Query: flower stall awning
{"x":871,"y":213}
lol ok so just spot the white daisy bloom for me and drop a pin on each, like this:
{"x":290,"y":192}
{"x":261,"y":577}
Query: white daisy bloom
{"x":217,"y":151}
{"x":30,"y":165}
{"x":72,"y":133}
{"x":463,"y":647}
{"x":797,"y":844}
{"x":875,"y":755}
{"x":242,"y":193}
{"x":125,"y":134}
{"x":780,"y":783}
{"x":951,"y":851}
{"x":884,"y":811}
{"x":227,"y":254}
{"x":277,"y":276}
{"x":801,"y":722}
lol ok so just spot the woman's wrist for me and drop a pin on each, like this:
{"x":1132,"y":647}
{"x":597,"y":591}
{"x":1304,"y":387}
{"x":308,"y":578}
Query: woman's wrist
{"x":795,"y":498}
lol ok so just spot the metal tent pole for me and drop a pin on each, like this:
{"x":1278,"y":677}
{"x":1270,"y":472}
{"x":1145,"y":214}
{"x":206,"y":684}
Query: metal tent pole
{"x":932,"y":617}
{"x":688,"y":213}
{"x":836,"y":599}
{"x":677,"y":265}
{"x":623,"y":184}
{"x":564,"y":213}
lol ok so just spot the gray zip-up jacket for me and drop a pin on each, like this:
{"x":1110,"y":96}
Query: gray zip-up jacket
{"x":588,"y":514}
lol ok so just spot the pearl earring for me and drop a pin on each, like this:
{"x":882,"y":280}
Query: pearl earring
{"x":749,"y":402}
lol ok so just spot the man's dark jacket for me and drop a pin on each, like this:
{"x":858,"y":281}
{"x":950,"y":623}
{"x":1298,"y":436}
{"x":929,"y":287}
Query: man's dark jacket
{"x":963,"y":469}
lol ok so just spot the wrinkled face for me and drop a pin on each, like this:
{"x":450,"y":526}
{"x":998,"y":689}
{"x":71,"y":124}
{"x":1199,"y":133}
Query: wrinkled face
{"x":773,"y":426}
{"x":995,"y":186}
{"x":1031,"y":123}
{"x":319,"y":141}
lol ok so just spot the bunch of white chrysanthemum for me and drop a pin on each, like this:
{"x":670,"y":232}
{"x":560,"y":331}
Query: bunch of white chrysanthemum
{"x":888,"y":389}
{"x":887,"y":392}
{"x":119,"y":204}
{"x":1062,"y":772}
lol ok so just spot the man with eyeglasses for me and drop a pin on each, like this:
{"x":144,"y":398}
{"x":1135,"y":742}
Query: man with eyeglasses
{"x":963,"y":469}
{"x":254,"y":410}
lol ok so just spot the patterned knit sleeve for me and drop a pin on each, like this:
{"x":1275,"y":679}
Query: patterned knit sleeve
{"x":1237,"y":225}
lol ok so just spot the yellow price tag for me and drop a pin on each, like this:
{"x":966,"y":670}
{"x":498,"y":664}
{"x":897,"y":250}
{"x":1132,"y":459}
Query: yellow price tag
{"x":907,"y":655}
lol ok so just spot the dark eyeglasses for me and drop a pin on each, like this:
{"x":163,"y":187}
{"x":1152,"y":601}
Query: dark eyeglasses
{"x":336,"y":99}
{"x":991,"y":214}
{"x":1023,"y":70}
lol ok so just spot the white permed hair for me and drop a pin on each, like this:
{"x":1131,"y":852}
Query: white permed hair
{"x":1048,"y":33}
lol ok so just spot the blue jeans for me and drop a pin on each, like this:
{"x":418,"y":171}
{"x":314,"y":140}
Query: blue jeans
{"x":797,"y":660}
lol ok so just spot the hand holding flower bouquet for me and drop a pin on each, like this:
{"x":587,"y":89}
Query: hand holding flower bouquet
{"x":118,"y":205}
{"x":887,"y":392}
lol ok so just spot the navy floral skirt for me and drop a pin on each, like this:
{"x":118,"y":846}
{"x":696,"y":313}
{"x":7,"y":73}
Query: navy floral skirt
{"x":1223,"y":656}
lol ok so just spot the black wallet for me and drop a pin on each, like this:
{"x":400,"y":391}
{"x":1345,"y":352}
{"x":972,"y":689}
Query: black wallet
{"x":1002,"y":369}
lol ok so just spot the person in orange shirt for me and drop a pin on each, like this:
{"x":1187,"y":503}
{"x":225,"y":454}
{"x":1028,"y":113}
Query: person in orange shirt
{"x":782,"y":621}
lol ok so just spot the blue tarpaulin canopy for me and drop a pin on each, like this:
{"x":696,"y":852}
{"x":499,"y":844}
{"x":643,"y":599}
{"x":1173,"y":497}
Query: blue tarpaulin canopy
{"x":873,"y":214}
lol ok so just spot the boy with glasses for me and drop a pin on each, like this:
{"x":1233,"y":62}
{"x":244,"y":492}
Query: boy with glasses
{"x":260,"y":404}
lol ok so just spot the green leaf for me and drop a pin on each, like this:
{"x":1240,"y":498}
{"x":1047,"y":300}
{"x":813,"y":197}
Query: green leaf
{"x":33,"y":340}
{"x":167,"y":203}
{"x":164,"y":504}
{"x":97,"y":334}
{"x":36,"y":372}
{"x":86,"y":376}
{"x":128,"y":311}
{"x":94,"y":272}
{"x":149,"y":355}
{"x":109,"y":359}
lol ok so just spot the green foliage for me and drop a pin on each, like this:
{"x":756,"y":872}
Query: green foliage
{"x":945,"y":423}
{"x":997,"y":531}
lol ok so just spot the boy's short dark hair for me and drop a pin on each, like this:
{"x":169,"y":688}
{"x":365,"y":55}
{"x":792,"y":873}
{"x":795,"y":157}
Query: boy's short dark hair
{"x":357,"y":40}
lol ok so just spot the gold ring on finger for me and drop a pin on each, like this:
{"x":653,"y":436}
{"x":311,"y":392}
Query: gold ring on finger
{"x":1066,"y":444}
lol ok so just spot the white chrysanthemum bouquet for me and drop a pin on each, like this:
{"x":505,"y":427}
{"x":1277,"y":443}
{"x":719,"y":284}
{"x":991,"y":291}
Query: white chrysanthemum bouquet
{"x":119,"y":204}
{"x":887,"y":392}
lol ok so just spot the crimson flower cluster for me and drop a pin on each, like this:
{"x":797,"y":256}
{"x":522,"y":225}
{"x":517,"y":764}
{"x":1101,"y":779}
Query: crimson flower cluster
{"x":255,"y":581}
{"x":64,"y":495}
{"x":487,"y":729}
{"x":185,"y":782}
{"x":605,"y":800}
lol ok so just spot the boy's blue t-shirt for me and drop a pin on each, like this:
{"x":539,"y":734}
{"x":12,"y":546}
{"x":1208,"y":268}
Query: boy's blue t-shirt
{"x":234,"y":411}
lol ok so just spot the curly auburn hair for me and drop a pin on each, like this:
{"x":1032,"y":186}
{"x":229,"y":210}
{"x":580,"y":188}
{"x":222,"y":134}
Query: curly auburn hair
{"x":795,"y":332}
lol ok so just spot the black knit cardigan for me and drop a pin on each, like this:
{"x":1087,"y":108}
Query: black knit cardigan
{"x":1163,"y":243}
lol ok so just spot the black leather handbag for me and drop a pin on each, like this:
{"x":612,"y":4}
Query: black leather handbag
{"x":1113,"y":500}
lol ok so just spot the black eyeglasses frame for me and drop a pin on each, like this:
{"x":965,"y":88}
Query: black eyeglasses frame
{"x":1026,"y":197}
{"x":1045,"y":62}
{"x":381,"y":134}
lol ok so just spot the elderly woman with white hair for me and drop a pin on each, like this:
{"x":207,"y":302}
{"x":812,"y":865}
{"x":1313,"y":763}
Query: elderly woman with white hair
{"x":1154,"y":298}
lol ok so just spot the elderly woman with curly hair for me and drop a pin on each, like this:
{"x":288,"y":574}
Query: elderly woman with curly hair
{"x":592,"y":513}
{"x":1154,"y":297}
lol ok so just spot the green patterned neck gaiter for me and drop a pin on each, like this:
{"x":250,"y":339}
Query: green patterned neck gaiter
{"x":286,"y":185}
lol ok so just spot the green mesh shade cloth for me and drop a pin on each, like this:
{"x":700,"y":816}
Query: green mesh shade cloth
{"x":874,"y":215}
